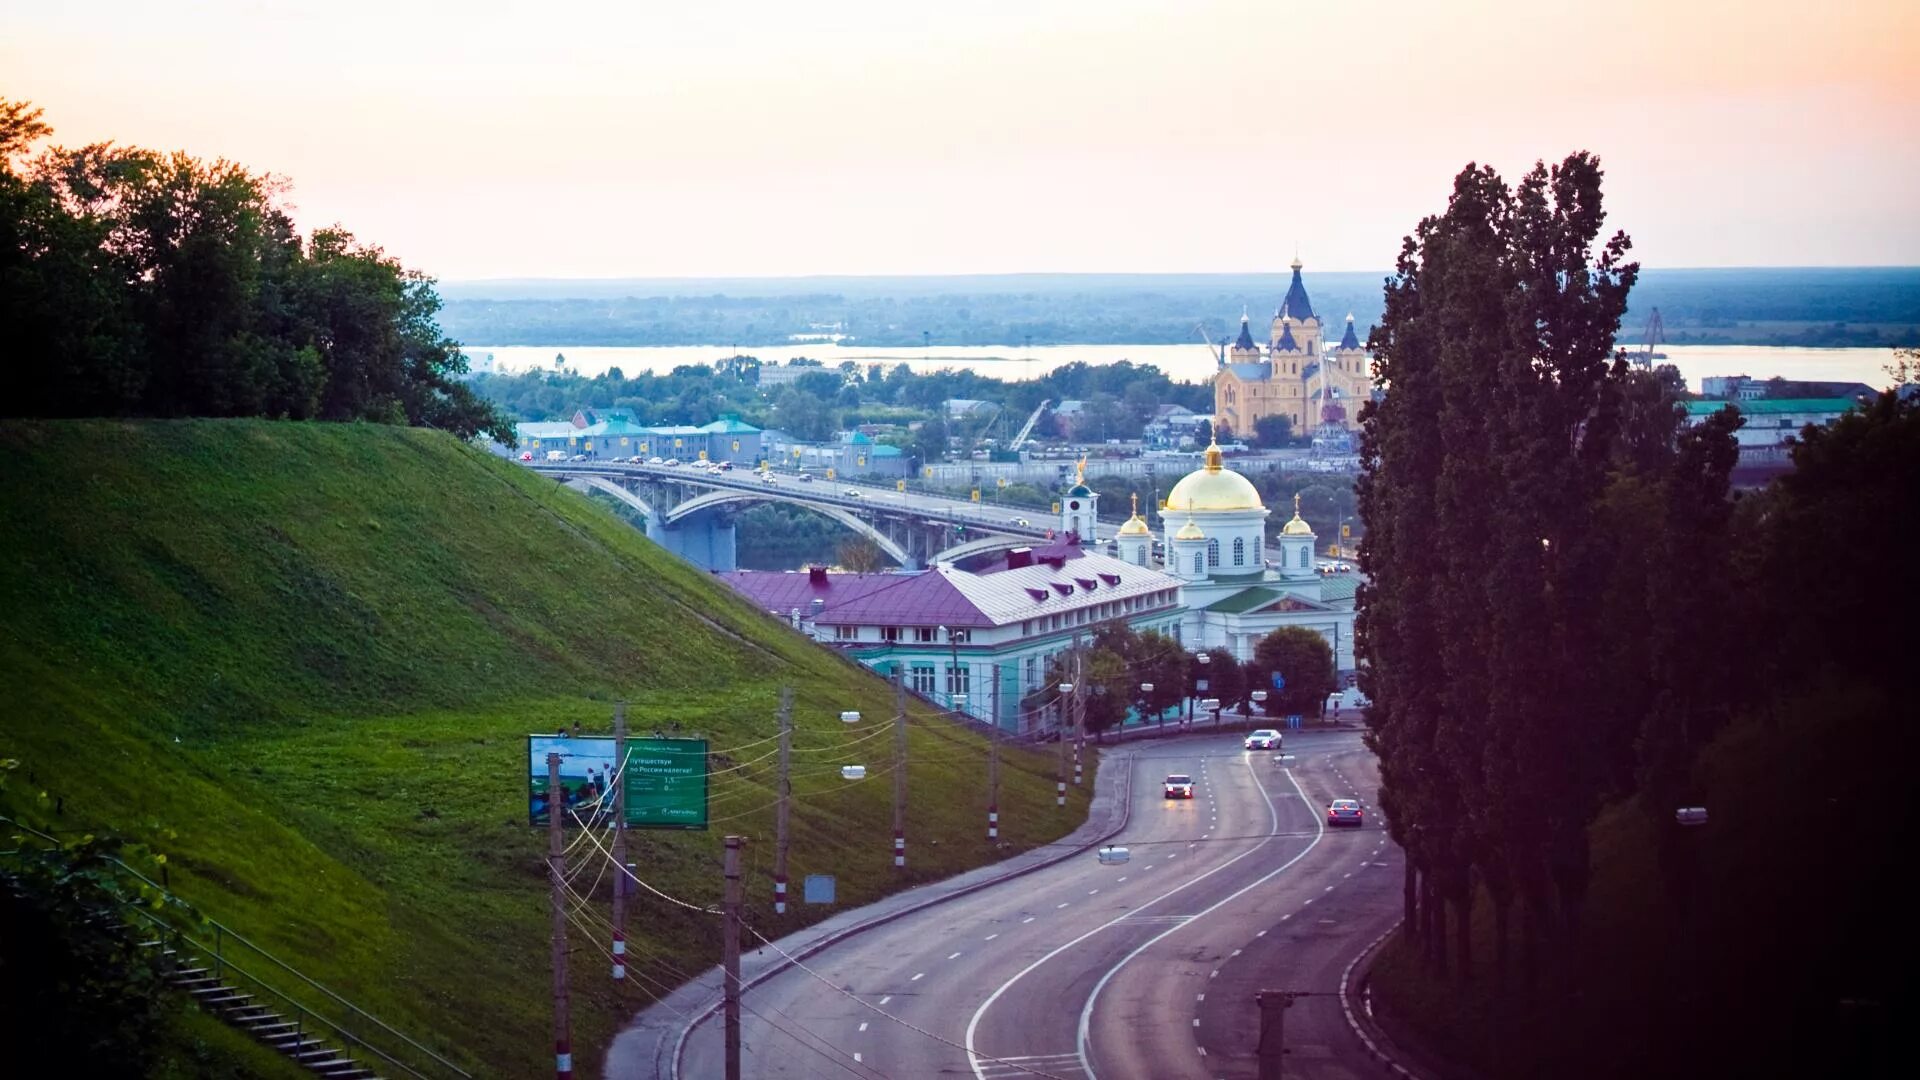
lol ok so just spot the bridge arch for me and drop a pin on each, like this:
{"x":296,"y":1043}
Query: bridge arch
{"x":599,"y":483}
{"x":724,"y":496}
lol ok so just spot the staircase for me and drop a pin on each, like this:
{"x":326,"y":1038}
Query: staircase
{"x":243,"y":1011}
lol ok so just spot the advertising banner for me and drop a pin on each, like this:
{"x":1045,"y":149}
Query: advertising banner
{"x":665,"y":781}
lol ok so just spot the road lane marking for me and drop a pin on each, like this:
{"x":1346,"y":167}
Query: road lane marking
{"x":863,"y":1025}
{"x":1196,"y":1021}
{"x":955,"y":956}
{"x":918,"y":977}
{"x":1057,"y":907}
{"x":973,"y":1024}
{"x":1328,"y":889}
{"x":886,"y":999}
{"x":990,"y":937}
{"x":1123,"y":877}
{"x":1235,"y":952}
{"x":1199,"y":997}
{"x":856,"y":1057}
{"x":1262,"y":933}
{"x":1214,"y":974}
{"x":1090,"y":892}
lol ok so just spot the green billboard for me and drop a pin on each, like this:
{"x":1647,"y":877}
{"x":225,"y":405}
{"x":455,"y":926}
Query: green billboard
{"x":665,"y":780}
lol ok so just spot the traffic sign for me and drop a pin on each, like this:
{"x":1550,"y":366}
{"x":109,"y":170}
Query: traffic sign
{"x":1279,"y":681}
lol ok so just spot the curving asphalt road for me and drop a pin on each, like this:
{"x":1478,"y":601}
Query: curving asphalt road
{"x":1146,"y":969}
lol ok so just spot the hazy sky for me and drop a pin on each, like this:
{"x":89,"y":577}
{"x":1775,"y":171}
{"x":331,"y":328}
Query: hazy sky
{"x":488,"y":138}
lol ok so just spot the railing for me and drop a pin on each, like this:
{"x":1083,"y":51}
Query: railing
{"x":217,"y":953}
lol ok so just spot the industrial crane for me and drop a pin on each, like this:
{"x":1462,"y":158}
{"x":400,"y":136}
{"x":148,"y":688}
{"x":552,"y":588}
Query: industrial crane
{"x":1027,"y":428}
{"x":1217,"y":348}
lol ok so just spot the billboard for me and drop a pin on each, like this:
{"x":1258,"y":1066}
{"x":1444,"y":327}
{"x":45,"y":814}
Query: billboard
{"x":665,"y":780}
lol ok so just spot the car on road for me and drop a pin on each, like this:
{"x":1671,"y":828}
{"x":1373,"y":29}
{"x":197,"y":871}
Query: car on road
{"x":726,"y":466}
{"x":637,"y":460}
{"x":1179,"y":786}
{"x":851,"y":493}
{"x":805,"y":478}
{"x":578,"y":457}
{"x":655,"y":461}
{"x":1019,"y":521}
{"x":768,"y":478}
{"x":673,"y":462}
{"x":1264,"y":739}
{"x":1345,"y":812}
{"x":526,"y":455}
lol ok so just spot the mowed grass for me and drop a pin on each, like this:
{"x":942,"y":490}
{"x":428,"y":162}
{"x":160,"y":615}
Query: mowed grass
{"x":302,"y":660}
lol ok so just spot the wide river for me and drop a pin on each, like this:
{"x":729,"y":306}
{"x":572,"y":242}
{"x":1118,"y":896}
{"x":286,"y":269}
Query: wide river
{"x":1188,"y":362}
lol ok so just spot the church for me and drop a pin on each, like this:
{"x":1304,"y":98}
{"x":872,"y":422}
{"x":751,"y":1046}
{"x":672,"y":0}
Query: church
{"x":1235,"y":588}
{"x":1318,"y":387}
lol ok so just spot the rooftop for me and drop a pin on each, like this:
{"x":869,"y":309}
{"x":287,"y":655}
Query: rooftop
{"x":1773,"y":406}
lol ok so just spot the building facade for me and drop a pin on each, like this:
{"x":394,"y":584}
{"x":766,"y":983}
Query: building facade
{"x":1297,"y":373}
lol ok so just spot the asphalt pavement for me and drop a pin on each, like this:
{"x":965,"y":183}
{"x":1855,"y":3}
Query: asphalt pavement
{"x":1144,"y":969}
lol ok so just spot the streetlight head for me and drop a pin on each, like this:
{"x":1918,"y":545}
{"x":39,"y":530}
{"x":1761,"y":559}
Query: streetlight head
{"x":1691,"y":815}
{"x":1204,"y":658}
{"x":850,"y":717}
{"x":1066,"y":688}
{"x":1146,"y":687}
{"x":1258,"y":695}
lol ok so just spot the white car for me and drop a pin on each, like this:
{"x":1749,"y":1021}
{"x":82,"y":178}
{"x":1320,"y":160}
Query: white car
{"x":1264,"y":739}
{"x":672,"y":462}
{"x":851,"y":493}
{"x":655,"y":461}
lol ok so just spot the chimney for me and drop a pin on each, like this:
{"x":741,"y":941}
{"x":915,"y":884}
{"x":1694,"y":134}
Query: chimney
{"x":817,"y":576}
{"x":1019,"y":557}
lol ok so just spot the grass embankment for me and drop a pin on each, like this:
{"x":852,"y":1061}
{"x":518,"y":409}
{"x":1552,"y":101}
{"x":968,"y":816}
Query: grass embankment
{"x":302,"y":660}
{"x":1798,"y":961}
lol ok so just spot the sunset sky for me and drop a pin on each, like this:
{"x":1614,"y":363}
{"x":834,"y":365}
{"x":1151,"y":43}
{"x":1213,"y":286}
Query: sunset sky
{"x":575,"y":139}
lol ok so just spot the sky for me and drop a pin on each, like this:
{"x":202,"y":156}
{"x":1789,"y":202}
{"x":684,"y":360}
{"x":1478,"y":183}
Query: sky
{"x":570,"y":138}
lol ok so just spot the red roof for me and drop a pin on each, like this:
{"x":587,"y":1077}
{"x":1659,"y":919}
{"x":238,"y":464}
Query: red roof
{"x":924,"y":599}
{"x":775,"y":590}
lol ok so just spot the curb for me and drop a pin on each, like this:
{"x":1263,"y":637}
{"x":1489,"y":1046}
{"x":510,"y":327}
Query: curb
{"x":706,"y":1013}
{"x":1367,"y":1038}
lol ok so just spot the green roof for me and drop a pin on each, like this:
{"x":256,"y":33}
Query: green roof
{"x":1773,"y":406}
{"x":729,"y":425}
{"x":1338,"y":587}
{"x":1242,"y":602}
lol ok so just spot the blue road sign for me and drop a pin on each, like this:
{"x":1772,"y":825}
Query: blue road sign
{"x":1279,"y":681}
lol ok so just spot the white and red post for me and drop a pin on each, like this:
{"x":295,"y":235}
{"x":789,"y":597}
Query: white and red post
{"x":993,"y":823}
{"x":899,"y":847}
{"x":619,"y":949}
{"x":780,"y":895}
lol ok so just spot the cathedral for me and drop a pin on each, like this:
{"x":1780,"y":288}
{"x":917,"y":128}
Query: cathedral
{"x":1296,"y":374}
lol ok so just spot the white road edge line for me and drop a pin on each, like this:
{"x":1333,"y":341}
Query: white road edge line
{"x":1273,"y":813}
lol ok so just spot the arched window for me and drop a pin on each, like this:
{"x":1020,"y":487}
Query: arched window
{"x":1239,"y":551}
{"x":1213,"y":553}
{"x":1197,"y":567}
{"x":1140,"y":555}
{"x":1303,"y":557}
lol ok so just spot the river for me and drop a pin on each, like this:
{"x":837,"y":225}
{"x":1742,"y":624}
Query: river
{"x":1189,"y":362}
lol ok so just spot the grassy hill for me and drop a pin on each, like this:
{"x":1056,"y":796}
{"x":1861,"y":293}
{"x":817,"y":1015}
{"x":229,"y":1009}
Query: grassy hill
{"x":302,"y":660}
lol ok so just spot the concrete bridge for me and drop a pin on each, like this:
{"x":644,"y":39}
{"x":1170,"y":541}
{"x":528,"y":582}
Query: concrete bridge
{"x":690,"y":512}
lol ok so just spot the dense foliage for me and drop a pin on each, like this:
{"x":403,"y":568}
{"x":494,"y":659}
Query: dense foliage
{"x":1565,"y":606}
{"x":136,"y":283}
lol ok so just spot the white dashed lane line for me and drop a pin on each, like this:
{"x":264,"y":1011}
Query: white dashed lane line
{"x":918,"y":977}
{"x":863,"y":1025}
{"x":955,"y":956}
{"x":1026,"y":920}
{"x":990,"y":937}
{"x":886,"y":998}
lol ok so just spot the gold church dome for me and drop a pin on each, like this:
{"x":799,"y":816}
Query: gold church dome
{"x":1135,"y":526}
{"x":1214,"y":487}
{"x":1298,"y":526}
{"x":1190,"y":531}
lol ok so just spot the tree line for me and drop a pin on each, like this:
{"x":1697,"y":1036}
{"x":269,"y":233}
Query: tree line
{"x":1565,"y":605}
{"x":139,"y":283}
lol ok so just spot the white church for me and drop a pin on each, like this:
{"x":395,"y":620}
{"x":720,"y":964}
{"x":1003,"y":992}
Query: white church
{"x":1214,"y":530}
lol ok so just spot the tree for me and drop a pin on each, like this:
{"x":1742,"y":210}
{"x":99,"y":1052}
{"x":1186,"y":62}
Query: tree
{"x":1226,"y":680}
{"x":1304,"y":659}
{"x":1273,"y":430}
{"x":861,"y":555}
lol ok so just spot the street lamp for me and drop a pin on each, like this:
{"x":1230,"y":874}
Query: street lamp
{"x":955,"y":699}
{"x":1257,"y":697}
{"x":1146,"y":688}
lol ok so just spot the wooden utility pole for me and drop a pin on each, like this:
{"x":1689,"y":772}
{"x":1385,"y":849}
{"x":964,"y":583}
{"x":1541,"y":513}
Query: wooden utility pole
{"x":557,"y":875}
{"x":899,"y":773}
{"x":621,"y":885}
{"x":781,"y":808}
{"x":993,"y":764}
{"x":731,"y":957}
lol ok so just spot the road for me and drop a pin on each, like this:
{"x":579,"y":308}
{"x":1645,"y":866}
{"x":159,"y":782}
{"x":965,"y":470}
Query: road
{"x":1145,"y":969}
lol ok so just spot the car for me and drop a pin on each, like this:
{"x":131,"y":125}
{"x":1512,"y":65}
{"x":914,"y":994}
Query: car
{"x":1020,"y":521}
{"x":851,"y":493}
{"x":1264,"y":739}
{"x":637,"y":460}
{"x":1179,"y":786}
{"x":768,"y":478}
{"x":726,"y":466}
{"x":578,"y":457}
{"x":655,"y":461}
{"x":526,"y":455}
{"x":1345,"y":812}
{"x":672,"y":462}
{"x":805,"y":478}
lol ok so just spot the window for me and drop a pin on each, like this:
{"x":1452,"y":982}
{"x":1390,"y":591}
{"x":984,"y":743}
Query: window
{"x":923,"y":679}
{"x":923,"y":633}
{"x":1033,"y":671}
{"x":889,"y":633}
{"x":1140,"y":555}
{"x":1213,"y":553}
{"x":1198,"y":561}
{"x":1239,"y":551}
{"x":846,"y":633}
{"x":961,"y":636}
{"x":1026,"y":627}
{"x":957,"y":678}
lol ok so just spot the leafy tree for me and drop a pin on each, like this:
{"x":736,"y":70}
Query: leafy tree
{"x":1226,"y":679}
{"x":861,"y":555}
{"x":1272,"y":431}
{"x":1304,"y":659}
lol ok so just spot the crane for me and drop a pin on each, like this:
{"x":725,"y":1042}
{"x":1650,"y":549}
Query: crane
{"x":1656,"y":336}
{"x":1026,"y":429}
{"x":1217,"y":348}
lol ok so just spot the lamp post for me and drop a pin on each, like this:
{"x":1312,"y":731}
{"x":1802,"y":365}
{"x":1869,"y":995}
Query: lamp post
{"x":1257,"y":697}
{"x":1200,"y":685}
{"x":955,"y":699}
{"x":1146,"y":690}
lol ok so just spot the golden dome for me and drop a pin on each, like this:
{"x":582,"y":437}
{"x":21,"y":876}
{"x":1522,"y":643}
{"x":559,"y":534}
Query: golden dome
{"x":1214,"y":487}
{"x":1189,"y":531}
{"x":1135,"y":526}
{"x":1298,"y":526}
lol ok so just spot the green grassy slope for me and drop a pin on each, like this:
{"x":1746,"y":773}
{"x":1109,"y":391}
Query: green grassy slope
{"x":302,"y":660}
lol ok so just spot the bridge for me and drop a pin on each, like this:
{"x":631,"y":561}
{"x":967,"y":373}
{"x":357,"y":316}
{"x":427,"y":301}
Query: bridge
{"x":690,"y":511}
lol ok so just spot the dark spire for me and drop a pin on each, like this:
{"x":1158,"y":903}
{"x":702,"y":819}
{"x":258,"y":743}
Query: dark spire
{"x":1245,"y":340}
{"x":1286,"y":343}
{"x":1348,"y":340}
{"x":1296,"y":303}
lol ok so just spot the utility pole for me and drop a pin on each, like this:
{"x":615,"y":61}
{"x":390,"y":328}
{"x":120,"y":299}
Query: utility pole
{"x":1079,"y":707}
{"x":899,"y":773}
{"x":557,"y":879}
{"x":781,"y":808}
{"x":993,"y":763}
{"x":1273,"y":1015}
{"x":731,"y":958}
{"x":621,"y":885}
